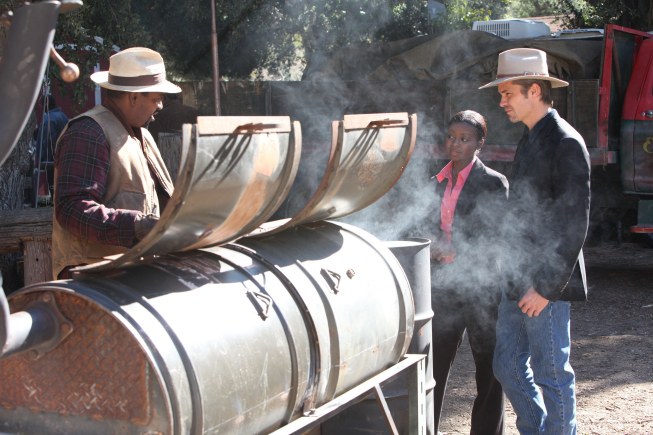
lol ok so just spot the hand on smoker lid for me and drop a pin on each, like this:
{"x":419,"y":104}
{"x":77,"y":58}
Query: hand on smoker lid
{"x":144,"y":224}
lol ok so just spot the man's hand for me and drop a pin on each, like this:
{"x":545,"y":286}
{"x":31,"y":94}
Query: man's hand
{"x":532,"y":303}
{"x":442,"y":249}
{"x":144,"y":224}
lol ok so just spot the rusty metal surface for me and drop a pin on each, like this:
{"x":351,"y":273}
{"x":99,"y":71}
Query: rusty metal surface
{"x":23,"y":63}
{"x":368,"y":155}
{"x":234,"y":173}
{"x":86,"y":375}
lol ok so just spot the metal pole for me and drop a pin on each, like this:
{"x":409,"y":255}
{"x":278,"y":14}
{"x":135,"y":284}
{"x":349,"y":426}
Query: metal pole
{"x":216,"y":66}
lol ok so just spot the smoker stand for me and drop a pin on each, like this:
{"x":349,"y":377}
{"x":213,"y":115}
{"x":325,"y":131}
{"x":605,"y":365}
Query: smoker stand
{"x":414,"y":365}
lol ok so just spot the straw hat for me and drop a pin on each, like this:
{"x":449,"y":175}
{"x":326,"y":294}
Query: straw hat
{"x":524,"y":63}
{"x":136,"y":69}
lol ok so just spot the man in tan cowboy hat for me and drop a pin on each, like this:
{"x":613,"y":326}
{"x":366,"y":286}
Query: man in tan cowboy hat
{"x":110,"y":181}
{"x":545,"y":229}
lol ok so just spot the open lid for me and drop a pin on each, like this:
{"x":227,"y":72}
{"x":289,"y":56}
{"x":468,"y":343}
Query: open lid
{"x":234,"y":173}
{"x":368,"y":155}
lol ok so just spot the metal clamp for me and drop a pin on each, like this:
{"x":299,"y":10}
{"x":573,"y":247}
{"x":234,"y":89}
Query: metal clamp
{"x":328,"y":276}
{"x":255,"y":296}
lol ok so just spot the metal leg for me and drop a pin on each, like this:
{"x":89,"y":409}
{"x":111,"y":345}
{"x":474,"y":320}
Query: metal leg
{"x":380,"y":399}
{"x":417,"y":398}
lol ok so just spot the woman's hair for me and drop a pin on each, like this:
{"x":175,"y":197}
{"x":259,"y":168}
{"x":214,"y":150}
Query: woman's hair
{"x":474,"y":119}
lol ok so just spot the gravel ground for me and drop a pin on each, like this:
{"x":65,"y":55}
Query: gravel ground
{"x":612,"y":350}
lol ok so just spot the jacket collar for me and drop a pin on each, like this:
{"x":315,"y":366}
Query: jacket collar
{"x":478,"y":169}
{"x":113,"y":108}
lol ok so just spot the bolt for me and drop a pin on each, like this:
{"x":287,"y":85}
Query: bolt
{"x":66,"y":328}
{"x":47,"y":297}
{"x":34,"y":355}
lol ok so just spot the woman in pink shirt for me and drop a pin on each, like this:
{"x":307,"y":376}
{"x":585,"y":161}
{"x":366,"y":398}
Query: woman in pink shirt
{"x":466,"y":258}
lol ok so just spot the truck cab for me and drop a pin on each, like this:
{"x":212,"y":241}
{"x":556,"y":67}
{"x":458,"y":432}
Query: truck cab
{"x":636,"y":129}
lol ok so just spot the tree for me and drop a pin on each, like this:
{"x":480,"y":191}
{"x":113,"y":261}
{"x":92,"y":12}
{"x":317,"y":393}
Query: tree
{"x":269,"y":34}
{"x":461,"y":14}
{"x":579,"y":14}
{"x":636,"y":14}
{"x":88,"y":34}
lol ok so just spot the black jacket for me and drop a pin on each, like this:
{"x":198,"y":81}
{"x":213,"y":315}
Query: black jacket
{"x":548,"y":214}
{"x":475,"y":232}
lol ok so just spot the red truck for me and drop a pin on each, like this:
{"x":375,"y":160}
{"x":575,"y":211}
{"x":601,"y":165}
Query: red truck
{"x":635,"y":142}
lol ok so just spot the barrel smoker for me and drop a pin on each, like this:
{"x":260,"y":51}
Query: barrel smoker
{"x":218,"y":322}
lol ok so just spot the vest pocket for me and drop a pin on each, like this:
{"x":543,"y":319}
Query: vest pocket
{"x":130,"y":200}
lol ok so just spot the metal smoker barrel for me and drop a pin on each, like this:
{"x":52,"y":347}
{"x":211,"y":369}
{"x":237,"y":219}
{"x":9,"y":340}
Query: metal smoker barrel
{"x":234,"y":339}
{"x":365,"y":417}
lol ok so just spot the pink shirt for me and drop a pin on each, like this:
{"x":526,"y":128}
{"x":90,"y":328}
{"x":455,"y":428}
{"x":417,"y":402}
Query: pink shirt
{"x":450,"y":199}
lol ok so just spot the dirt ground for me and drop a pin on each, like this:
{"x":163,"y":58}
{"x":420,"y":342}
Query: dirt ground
{"x":612,"y":350}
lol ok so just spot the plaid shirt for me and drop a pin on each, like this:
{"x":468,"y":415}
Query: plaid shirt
{"x":82,"y":162}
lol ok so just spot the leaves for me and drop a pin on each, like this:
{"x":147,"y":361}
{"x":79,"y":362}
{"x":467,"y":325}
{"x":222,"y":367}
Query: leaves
{"x":275,"y":39}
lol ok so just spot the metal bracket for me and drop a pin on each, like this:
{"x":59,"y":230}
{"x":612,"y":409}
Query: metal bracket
{"x":328,"y":276}
{"x":413,"y":365}
{"x":380,"y":399}
{"x":255,"y":297}
{"x":64,"y":326}
{"x":37,"y":329}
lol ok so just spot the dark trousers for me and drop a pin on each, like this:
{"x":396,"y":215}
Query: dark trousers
{"x":474,"y":310}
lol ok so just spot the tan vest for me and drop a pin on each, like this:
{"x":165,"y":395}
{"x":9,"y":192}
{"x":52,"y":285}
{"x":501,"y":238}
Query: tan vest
{"x":129,"y":186}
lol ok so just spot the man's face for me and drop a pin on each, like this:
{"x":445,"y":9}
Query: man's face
{"x":144,"y":107}
{"x":517,"y":106}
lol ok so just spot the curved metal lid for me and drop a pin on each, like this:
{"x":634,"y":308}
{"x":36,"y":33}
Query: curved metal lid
{"x":368,"y":155}
{"x":234,"y":173}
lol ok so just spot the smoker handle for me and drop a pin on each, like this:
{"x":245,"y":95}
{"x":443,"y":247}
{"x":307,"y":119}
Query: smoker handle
{"x":328,"y":276}
{"x":263,"y":312}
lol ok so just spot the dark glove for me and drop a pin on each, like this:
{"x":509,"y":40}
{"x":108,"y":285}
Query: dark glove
{"x":144,"y":224}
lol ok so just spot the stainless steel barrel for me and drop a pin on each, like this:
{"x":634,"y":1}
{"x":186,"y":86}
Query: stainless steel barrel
{"x":235,"y":339}
{"x":366,"y":417}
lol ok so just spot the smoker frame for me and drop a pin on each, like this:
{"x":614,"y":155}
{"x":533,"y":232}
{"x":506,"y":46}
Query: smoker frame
{"x":414,"y":366}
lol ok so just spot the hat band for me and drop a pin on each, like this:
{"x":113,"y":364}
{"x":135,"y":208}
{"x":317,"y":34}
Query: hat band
{"x":149,"y":80}
{"x":525,"y":73}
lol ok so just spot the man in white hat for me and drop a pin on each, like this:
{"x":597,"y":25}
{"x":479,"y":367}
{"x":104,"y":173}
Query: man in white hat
{"x":110,"y":180}
{"x":546,"y":225}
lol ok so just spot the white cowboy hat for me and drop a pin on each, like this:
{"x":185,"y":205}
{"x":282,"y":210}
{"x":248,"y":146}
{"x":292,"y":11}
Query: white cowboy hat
{"x":136,"y":69}
{"x":524,"y":63}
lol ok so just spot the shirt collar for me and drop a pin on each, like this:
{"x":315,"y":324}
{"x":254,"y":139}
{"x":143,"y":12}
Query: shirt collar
{"x":537,"y":128}
{"x":113,"y":108}
{"x":447,"y":171}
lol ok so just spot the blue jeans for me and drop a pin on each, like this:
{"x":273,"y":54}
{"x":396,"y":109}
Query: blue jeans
{"x":533,"y":352}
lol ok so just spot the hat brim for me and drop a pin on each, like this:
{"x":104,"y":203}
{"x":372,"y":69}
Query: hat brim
{"x":555,"y":83}
{"x":101,"y":78}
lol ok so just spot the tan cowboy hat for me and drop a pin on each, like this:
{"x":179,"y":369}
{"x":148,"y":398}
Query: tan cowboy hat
{"x":136,"y":69}
{"x":524,"y":63}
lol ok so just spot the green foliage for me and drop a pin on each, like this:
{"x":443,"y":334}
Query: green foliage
{"x":461,"y":14}
{"x":598,"y":13}
{"x":274,"y":36}
{"x":534,"y":8}
{"x":579,"y":14}
{"x":270,"y":34}
{"x":111,"y":20}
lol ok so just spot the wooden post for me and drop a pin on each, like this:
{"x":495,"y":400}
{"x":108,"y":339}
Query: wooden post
{"x":37,"y":260}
